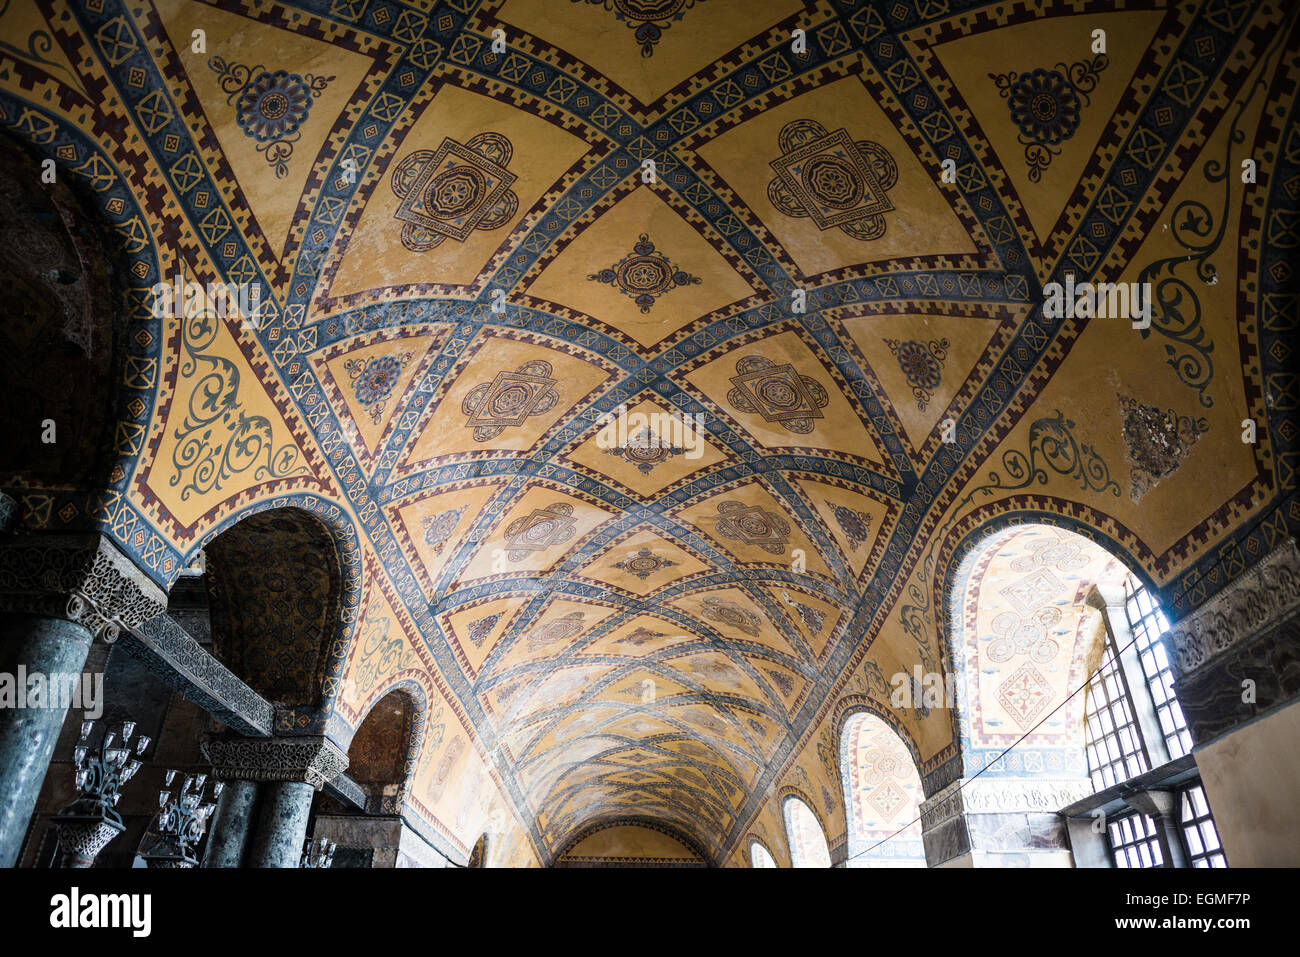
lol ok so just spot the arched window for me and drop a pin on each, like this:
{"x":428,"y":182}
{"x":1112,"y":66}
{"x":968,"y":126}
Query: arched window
{"x":808,"y":846}
{"x":758,"y":856}
{"x":882,"y":794}
{"x":1027,"y":638}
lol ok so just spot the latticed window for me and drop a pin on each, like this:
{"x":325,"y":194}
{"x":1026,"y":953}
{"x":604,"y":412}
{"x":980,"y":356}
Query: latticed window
{"x":1148,"y":623}
{"x":1114,"y":743}
{"x":1133,"y":841}
{"x":1117,"y":750}
{"x":1199,"y":832}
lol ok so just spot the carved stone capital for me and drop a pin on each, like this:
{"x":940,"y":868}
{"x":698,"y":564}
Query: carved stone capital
{"x":314,"y":759}
{"x":83,"y":578}
{"x":1262,"y":598}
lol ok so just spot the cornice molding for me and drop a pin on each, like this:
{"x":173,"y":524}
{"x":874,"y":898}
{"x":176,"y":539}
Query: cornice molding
{"x":1263,"y":597}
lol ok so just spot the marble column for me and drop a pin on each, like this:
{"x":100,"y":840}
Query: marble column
{"x":1236,"y":665}
{"x":29,"y":645}
{"x":233,"y":825}
{"x":281,"y":824}
{"x":57,"y":593}
{"x":291,"y":770}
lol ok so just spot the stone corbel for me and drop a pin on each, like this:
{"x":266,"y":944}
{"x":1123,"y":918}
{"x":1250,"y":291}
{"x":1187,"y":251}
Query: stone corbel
{"x":314,"y":759}
{"x":83,"y":578}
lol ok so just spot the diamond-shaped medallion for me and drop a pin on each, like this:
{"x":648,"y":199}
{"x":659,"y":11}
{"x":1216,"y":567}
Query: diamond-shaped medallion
{"x":779,"y":393}
{"x":455,"y":189}
{"x":832,"y":178}
{"x":509,"y":399}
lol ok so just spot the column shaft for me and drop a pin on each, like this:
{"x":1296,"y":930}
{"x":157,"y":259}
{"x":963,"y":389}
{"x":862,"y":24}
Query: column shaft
{"x":281,"y":824}
{"x":54,"y":648}
{"x":233,"y":828}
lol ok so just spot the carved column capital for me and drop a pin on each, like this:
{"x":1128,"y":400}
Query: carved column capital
{"x":1263,"y":597}
{"x":84,"y":578}
{"x":314,"y":759}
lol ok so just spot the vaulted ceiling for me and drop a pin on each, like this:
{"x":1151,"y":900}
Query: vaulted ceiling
{"x":830,"y":259}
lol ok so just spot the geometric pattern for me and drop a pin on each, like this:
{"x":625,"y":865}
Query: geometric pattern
{"x":373,"y":380}
{"x":438,"y":528}
{"x":922,"y":365}
{"x":173,"y":190}
{"x":777,"y":392}
{"x":649,"y":18}
{"x":269,"y":107}
{"x":1045,"y":106}
{"x":644,"y":274}
{"x":644,"y":564}
{"x":453,"y":190}
{"x":852,"y":523}
{"x":1025,"y":694}
{"x":753,"y":525}
{"x":833,"y":179}
{"x":539,"y":530}
{"x":509,"y":399}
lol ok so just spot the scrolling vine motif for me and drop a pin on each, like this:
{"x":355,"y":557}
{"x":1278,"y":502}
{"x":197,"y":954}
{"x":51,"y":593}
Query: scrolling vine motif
{"x":40,"y":43}
{"x":218,"y":440}
{"x":1052,"y":448}
{"x":1176,"y":308}
{"x":382,"y":654}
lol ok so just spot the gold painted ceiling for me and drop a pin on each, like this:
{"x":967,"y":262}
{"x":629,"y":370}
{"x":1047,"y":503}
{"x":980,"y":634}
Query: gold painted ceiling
{"x":654,"y":364}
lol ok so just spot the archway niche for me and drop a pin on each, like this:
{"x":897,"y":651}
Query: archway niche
{"x":57,"y":341}
{"x":382,"y":752}
{"x":372,"y":831}
{"x":1025,"y":635}
{"x":883,"y":795}
{"x":759,"y":856}
{"x":808,"y":847}
{"x":272,"y":583}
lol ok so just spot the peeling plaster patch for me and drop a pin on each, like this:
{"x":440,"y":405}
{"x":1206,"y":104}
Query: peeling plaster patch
{"x":1157,"y":442}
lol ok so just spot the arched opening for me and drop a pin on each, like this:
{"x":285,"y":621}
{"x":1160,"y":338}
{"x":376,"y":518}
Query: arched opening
{"x":759,"y":856}
{"x":1056,"y":646}
{"x":1023,"y":640}
{"x":882,"y":792}
{"x":57,"y":342}
{"x":631,"y":844}
{"x":382,"y":753}
{"x":808,"y":847}
{"x":273,"y":586}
